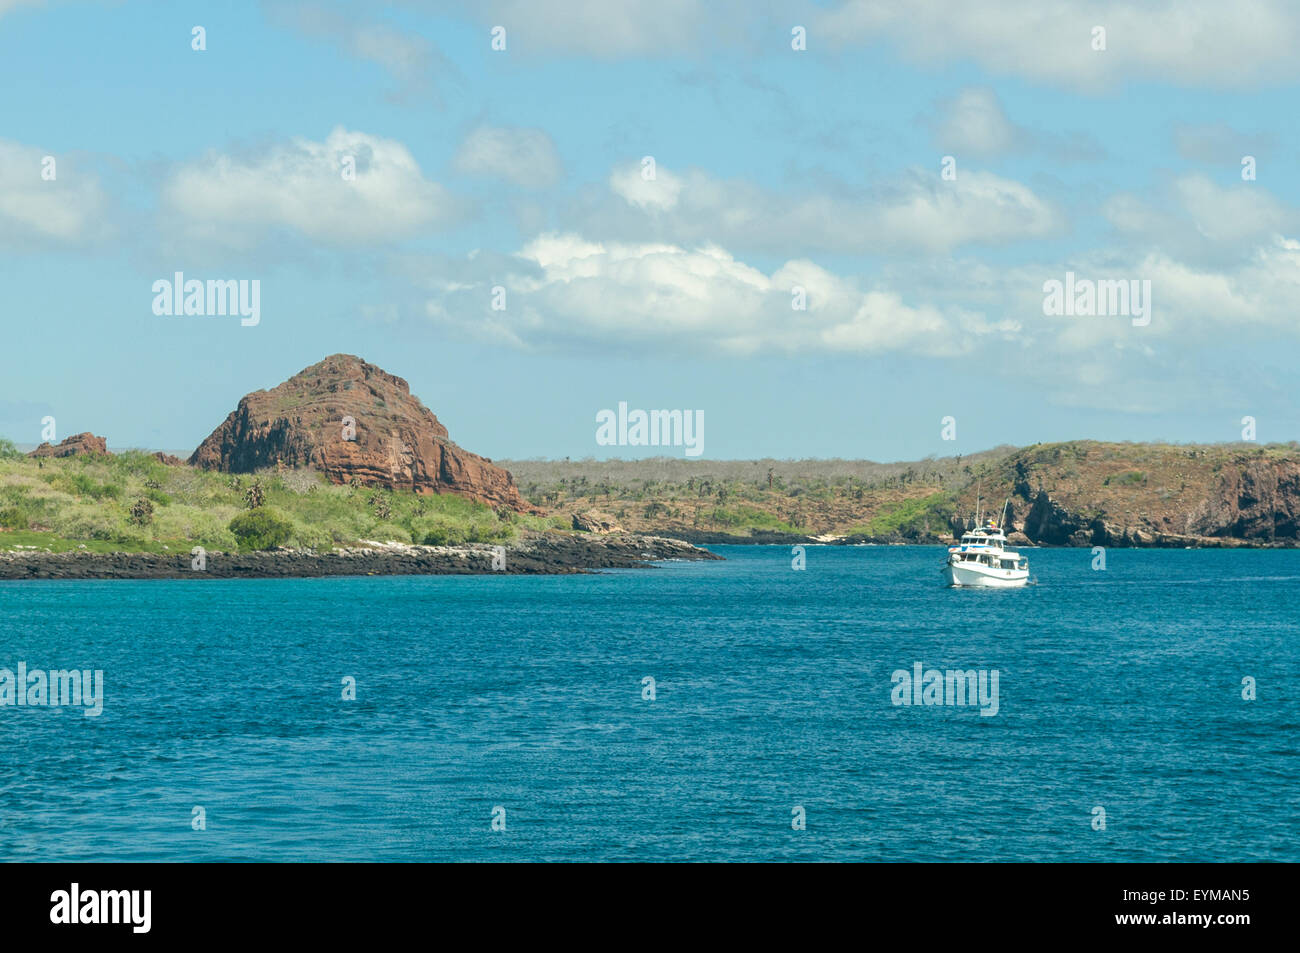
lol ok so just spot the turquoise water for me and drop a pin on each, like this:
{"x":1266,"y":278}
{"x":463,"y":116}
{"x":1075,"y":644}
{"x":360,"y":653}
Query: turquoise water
{"x":1118,"y":689}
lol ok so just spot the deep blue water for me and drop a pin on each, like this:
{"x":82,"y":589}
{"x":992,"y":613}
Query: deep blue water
{"x":1120,"y":689}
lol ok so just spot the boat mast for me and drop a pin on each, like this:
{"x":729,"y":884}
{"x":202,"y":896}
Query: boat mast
{"x":1003,"y":522}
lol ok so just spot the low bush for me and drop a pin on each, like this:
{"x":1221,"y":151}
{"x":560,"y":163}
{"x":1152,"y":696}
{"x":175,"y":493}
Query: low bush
{"x":261,"y":529}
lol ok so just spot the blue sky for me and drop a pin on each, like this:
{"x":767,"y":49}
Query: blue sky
{"x":775,"y":168}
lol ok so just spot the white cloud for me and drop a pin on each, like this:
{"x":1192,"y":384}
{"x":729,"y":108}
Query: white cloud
{"x":1231,"y":214}
{"x":632,"y":184}
{"x":1106,"y":363}
{"x":920,"y":211}
{"x":1192,"y":42}
{"x":525,"y":157}
{"x":972,"y":123}
{"x":977,"y":207}
{"x":70,"y":208}
{"x":568,"y":290}
{"x":1197,"y":219}
{"x":573,"y":293}
{"x":1189,"y":42}
{"x":300,"y":185}
{"x":1221,"y":302}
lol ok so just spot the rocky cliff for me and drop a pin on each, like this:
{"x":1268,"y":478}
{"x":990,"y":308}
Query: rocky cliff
{"x":351,"y":420}
{"x":77,"y":445}
{"x":1087,"y":493}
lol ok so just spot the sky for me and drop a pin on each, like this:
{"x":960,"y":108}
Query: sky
{"x":826,"y":227}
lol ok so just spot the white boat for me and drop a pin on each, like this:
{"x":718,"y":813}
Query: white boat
{"x":981,"y":559}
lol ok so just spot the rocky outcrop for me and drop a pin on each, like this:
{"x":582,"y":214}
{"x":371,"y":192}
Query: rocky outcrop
{"x":81,"y":444}
{"x":593,"y":521}
{"x":1050,"y":523}
{"x":168,"y":459}
{"x":1258,"y":500}
{"x":1085,"y":494}
{"x":354,"y":422}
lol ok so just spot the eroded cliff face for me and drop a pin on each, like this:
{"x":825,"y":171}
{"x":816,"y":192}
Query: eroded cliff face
{"x":1258,"y":500}
{"x":1095,"y":494}
{"x":353,"y":421}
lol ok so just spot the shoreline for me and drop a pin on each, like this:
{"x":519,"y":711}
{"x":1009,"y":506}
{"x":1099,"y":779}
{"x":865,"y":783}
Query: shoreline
{"x":1147,"y":541}
{"x":539,"y":554}
{"x":535,"y":555}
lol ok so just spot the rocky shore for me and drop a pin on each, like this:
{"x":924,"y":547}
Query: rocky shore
{"x":1086,"y":537}
{"x":532,"y":554}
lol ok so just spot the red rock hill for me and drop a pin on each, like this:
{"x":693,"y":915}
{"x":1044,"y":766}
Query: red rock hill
{"x":394,"y":440}
{"x":77,"y":445}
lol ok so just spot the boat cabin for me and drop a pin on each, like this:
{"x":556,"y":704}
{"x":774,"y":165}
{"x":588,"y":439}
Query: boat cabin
{"x":988,"y":535}
{"x":986,"y":546}
{"x":995,"y":560}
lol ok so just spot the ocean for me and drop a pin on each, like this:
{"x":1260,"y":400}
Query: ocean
{"x":509,"y":718}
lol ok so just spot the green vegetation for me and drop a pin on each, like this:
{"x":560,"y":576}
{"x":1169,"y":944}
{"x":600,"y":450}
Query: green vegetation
{"x":757,"y":497}
{"x":261,"y":529}
{"x":131,"y":502}
{"x":749,"y":518}
{"x":911,"y":518}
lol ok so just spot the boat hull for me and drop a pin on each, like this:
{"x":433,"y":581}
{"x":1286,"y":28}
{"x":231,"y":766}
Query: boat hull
{"x":984,"y":577}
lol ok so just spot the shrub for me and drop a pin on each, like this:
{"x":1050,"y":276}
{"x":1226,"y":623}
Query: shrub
{"x":88,"y":522}
{"x":382,"y":507}
{"x":389,"y":532}
{"x":261,"y":529}
{"x":311,"y":537}
{"x":14,"y":518}
{"x":130,"y":537}
{"x":203,"y":526}
{"x":479,"y":533}
{"x":142,"y":512}
{"x":21,"y":510}
{"x":436,"y":532}
{"x":136,"y":463}
{"x":255,"y":495}
{"x":79,"y":484}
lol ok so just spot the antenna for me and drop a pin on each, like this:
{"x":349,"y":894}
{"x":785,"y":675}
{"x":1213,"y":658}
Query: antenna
{"x":977,"y":503}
